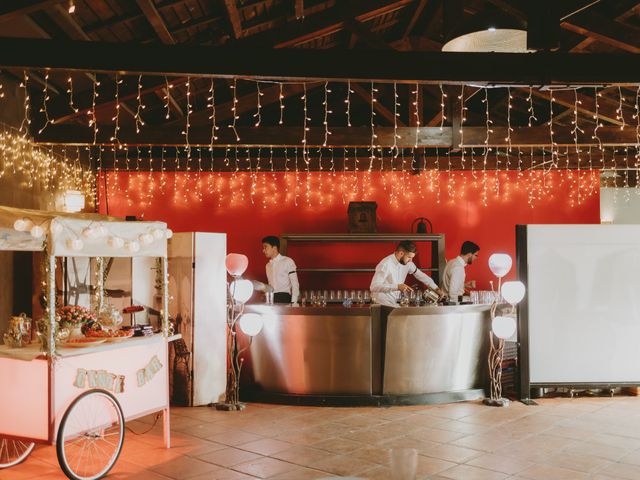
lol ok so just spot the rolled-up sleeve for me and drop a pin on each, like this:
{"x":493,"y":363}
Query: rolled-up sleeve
{"x":295,"y":284}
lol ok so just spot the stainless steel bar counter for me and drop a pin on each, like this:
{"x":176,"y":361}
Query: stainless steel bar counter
{"x":367,"y":355}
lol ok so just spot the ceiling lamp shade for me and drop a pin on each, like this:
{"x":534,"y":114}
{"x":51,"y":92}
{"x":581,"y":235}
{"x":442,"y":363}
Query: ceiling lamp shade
{"x":490,"y":31}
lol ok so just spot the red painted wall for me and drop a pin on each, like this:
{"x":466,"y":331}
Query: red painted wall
{"x":462,"y":205}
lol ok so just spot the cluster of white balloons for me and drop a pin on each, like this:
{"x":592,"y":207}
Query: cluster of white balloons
{"x":94,"y":232}
{"x":241,"y":290}
{"x":513,"y":292}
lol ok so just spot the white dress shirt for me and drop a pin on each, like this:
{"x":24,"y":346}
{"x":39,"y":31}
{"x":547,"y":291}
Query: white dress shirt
{"x":282,"y":276}
{"x":389,"y":274}
{"x":453,"y":278}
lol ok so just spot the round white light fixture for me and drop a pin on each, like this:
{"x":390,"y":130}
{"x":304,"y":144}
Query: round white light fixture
{"x":503,"y":327}
{"x":145,"y":238}
{"x":56,"y":228}
{"x":101,"y":231}
{"x":500,"y":264}
{"x":492,"y":39}
{"x":132,"y":246}
{"x":37,"y":231}
{"x":115,"y":242}
{"x":23,"y":225}
{"x":251,"y":324}
{"x":88,"y":232}
{"x":169,"y":233}
{"x":157,"y":233}
{"x":241,"y":290}
{"x":75,"y":244}
{"x":513,"y":292}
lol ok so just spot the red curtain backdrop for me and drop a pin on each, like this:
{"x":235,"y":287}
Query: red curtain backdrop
{"x":482,"y":207}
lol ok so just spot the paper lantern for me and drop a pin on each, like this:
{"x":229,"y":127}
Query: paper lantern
{"x":169,"y":233}
{"x":157,"y":233}
{"x":236,"y":264}
{"x":56,"y":228}
{"x":101,"y":231}
{"x":241,"y":290}
{"x":503,"y":327}
{"x":23,"y":225}
{"x":145,"y":238}
{"x":251,"y":324}
{"x":500,"y":264}
{"x":37,"y":231}
{"x":89,"y":232}
{"x":513,"y":292}
{"x":115,"y":242}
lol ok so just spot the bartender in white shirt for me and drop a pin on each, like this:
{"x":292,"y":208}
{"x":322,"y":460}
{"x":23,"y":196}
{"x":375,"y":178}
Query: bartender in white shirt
{"x":391,"y":272}
{"x":281,"y":272}
{"x":453,"y":278}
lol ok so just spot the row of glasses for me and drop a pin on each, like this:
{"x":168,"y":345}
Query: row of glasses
{"x":484,"y":297}
{"x":322,"y":297}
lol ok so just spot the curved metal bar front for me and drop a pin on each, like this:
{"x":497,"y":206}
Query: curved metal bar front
{"x":368,"y":352}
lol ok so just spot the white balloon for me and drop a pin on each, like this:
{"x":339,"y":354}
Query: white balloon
{"x":500,"y":264}
{"x":251,"y":324}
{"x":115,"y":242}
{"x":241,"y":290}
{"x":513,"y":292}
{"x":503,"y":327}
{"x":37,"y":231}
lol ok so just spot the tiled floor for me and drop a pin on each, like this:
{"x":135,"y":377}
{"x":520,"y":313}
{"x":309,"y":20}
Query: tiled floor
{"x":561,"y":439}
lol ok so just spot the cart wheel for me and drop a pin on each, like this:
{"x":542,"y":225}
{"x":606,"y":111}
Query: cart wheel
{"x":12,"y":452}
{"x":90,"y":436}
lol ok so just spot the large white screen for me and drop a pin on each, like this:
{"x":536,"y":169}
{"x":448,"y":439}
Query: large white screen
{"x":584,"y":303}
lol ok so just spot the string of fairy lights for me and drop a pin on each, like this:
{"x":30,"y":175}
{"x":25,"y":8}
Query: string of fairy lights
{"x":313,"y":173}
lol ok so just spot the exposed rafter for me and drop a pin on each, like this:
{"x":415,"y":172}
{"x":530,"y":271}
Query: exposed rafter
{"x":155,"y":20}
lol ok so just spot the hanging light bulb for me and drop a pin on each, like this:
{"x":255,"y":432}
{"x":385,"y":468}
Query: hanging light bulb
{"x":72,"y":6}
{"x":37,"y":231}
{"x":115,"y":242}
{"x":132,"y":246}
{"x":23,"y":224}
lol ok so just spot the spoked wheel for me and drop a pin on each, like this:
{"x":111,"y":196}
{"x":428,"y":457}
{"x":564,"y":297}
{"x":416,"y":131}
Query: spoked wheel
{"x":12,"y":452}
{"x":90,"y":436}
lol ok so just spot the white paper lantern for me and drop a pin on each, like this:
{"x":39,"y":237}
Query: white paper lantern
{"x":157,"y":233}
{"x":513,"y":292}
{"x":145,"y":238}
{"x":75,"y":244}
{"x":241,"y":290}
{"x":101,"y":231}
{"x":132,"y":246}
{"x":115,"y":242}
{"x":251,"y":324}
{"x":37,"y":231}
{"x":500,"y":264}
{"x":169,"y":233}
{"x":23,"y":225}
{"x":503,"y":327}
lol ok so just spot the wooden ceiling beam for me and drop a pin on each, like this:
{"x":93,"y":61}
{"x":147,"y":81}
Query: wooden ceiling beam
{"x":156,"y":21}
{"x":420,"y":6}
{"x":387,"y":114}
{"x":340,"y":136}
{"x":12,"y":9}
{"x":611,"y":32}
{"x":541,"y":68}
{"x":234,"y":18}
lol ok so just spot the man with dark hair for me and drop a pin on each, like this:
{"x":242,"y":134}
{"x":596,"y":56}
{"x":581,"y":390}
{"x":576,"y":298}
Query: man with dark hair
{"x":454,"y":275}
{"x":388,"y":281}
{"x":281,"y":272}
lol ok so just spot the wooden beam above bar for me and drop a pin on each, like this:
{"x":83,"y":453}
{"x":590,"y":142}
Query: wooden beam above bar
{"x":340,"y":137}
{"x":542,"y":68}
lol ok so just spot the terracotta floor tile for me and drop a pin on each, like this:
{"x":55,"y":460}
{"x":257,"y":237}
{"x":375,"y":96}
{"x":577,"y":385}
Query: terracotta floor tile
{"x":499,"y":463}
{"x":228,"y":457}
{"x":233,"y":438}
{"x":451,"y":453}
{"x":302,"y":474}
{"x":343,"y":465}
{"x":266,"y":446}
{"x":184,"y":467}
{"x":539,"y":472}
{"x":581,"y":463}
{"x":621,"y":470}
{"x":340,"y":446}
{"x":265,"y":467}
{"x":436,"y":435}
{"x":632,"y":458}
{"x":468,"y":472}
{"x":302,"y":455}
{"x":431,"y":466}
{"x":224,"y":474}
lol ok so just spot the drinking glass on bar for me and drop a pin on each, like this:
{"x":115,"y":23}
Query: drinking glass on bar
{"x":360,"y":297}
{"x":367,"y":296}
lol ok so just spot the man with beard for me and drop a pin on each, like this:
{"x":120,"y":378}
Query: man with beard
{"x":454,"y":275}
{"x":388,"y":281}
